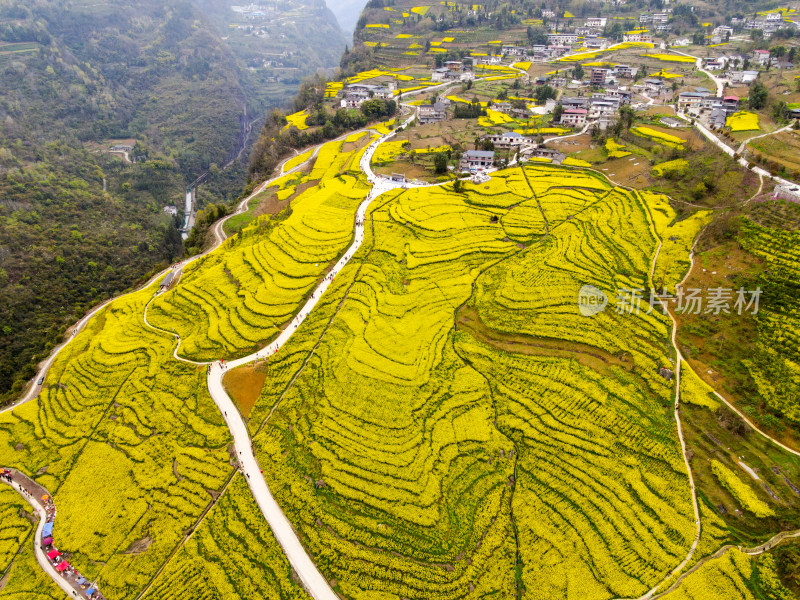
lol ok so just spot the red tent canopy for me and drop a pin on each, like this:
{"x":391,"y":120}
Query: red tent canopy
{"x":53,"y":553}
{"x":62,"y":566}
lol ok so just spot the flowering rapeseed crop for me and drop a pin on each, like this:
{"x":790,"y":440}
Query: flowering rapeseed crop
{"x":740,"y":490}
{"x":743,"y":121}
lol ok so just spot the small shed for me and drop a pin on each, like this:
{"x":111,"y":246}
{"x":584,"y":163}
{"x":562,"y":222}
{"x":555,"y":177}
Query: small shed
{"x":167,"y":281}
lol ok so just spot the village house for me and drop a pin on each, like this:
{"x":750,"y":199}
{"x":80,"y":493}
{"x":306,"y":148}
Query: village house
{"x":508,"y":139}
{"x":599,"y":76}
{"x":513,"y":51}
{"x":595,"y":42}
{"x":490,"y":60}
{"x":730,"y":104}
{"x":710,"y":103}
{"x":432,"y":113}
{"x":440,"y":74}
{"x":761,"y":57}
{"x":596,"y":22}
{"x":556,"y":50}
{"x":574,"y":117}
{"x":742,"y":76}
{"x":353,"y":100}
{"x":562,"y":38}
{"x":690,"y":100}
{"x":556,"y":156}
{"x":576,"y":102}
{"x":637,"y":37}
{"x":723,"y":31}
{"x":477,"y":160}
{"x":626,"y":71}
{"x":670,"y":121}
{"x":623,"y":95}
{"x":370,"y":91}
{"x":654,"y":86}
{"x":602,"y":107}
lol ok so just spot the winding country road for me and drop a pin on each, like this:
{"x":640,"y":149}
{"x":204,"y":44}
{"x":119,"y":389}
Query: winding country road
{"x":312,"y":579}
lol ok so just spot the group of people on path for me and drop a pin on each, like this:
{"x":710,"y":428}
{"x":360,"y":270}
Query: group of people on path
{"x":80,"y":586}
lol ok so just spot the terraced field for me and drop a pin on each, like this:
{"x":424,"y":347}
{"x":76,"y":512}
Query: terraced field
{"x":27,"y":581}
{"x":734,"y":575}
{"x":775,"y":365}
{"x":129,"y":443}
{"x":231,"y":555}
{"x":598,"y":462}
{"x":233,"y":301}
{"x":16,"y":528}
{"x":413,"y":457}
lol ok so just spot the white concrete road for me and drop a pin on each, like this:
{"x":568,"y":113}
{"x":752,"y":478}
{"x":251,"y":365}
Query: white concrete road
{"x":313,"y":581}
{"x":41,"y":557}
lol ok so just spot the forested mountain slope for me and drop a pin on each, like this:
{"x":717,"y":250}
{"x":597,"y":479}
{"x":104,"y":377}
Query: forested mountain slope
{"x":78,"y":223}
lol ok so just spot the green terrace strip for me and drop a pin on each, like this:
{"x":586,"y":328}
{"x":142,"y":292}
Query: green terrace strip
{"x":233,"y":301}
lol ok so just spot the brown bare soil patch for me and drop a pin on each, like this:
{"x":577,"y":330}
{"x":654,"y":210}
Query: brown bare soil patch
{"x":139,"y":546}
{"x":244,"y":386}
{"x":629,"y":170}
{"x":573,"y":144}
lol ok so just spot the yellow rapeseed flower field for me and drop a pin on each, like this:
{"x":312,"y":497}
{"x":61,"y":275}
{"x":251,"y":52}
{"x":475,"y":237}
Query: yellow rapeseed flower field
{"x":743,"y":121}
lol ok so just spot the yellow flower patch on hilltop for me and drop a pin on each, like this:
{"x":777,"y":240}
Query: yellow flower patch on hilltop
{"x":665,"y":139}
{"x":670,"y":58}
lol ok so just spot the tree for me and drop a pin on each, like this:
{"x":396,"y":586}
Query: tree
{"x":537,"y":36}
{"x":626,"y":114}
{"x":577,"y":72}
{"x":780,"y":112}
{"x":699,"y":190}
{"x":440,"y":163}
{"x":557,"y":112}
{"x":544,"y":93}
{"x":758,"y":95}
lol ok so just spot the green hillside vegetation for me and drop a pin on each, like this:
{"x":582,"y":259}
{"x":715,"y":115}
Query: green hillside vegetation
{"x":78,"y":224}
